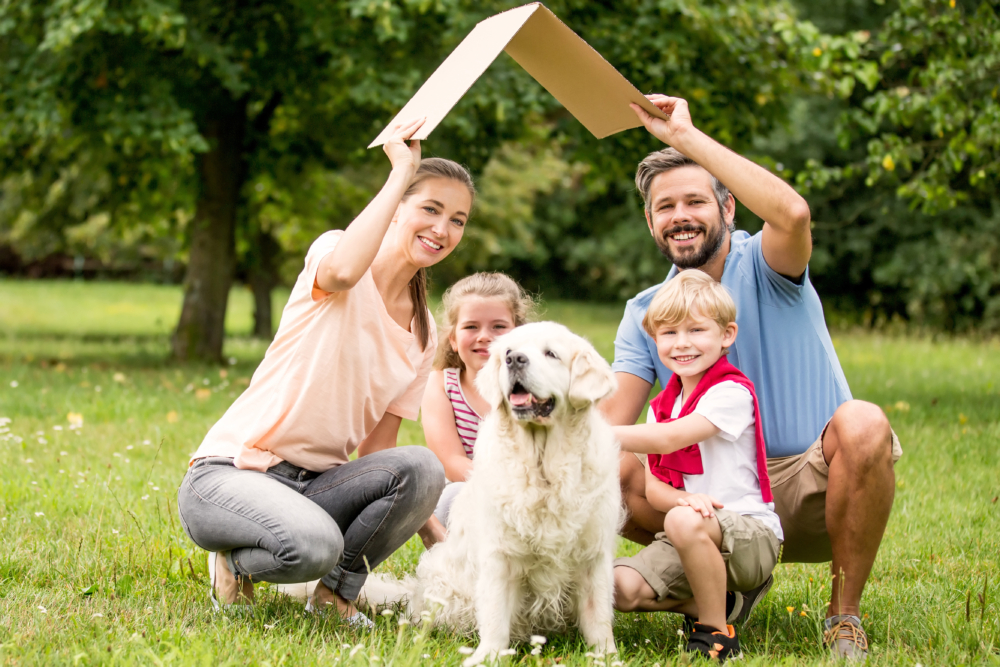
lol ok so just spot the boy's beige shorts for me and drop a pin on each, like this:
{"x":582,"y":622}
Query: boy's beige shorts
{"x":749,"y":550}
{"x":798,"y":484}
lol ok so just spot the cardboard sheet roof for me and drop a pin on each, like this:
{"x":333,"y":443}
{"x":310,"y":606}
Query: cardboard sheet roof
{"x":578,"y":76}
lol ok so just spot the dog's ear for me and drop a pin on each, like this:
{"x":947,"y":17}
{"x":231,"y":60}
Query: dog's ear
{"x":488,"y":378}
{"x":590,"y":379}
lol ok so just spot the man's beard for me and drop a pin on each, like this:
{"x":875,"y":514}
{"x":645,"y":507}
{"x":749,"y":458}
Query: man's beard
{"x":695,"y":258}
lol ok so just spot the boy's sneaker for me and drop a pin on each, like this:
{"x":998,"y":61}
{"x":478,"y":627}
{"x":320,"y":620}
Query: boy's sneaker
{"x":845,"y":639}
{"x":738,"y":605}
{"x":750,"y":599}
{"x":716,"y":644}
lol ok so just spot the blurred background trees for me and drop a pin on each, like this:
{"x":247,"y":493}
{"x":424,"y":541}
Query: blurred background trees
{"x":213,"y":141}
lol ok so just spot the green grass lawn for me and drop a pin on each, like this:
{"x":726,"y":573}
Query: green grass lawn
{"x":94,"y":567}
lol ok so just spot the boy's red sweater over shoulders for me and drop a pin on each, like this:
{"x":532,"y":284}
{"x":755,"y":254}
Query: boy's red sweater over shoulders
{"x":671,"y":468}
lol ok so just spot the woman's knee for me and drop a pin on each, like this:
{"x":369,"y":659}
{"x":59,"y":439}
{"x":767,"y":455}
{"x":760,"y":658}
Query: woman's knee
{"x":421,"y":472}
{"x":313,"y":552}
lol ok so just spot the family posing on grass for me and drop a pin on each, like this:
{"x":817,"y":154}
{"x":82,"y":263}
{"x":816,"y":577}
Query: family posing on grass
{"x":754,"y":451}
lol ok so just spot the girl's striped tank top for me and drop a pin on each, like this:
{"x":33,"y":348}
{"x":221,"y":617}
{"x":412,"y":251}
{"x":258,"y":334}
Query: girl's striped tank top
{"x":466,"y":418}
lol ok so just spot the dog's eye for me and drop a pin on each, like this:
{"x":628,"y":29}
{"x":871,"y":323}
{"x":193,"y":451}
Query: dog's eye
{"x":551,"y":354}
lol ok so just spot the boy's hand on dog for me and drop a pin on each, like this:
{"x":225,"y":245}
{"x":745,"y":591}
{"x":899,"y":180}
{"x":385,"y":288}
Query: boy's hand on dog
{"x":701,"y":503}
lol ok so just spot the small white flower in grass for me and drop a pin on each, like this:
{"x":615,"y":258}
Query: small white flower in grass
{"x":43,"y":609}
{"x":387,"y":612}
{"x":680,"y":633}
{"x":155,"y":488}
{"x":425,"y":656}
{"x":114,"y":531}
{"x":130,"y":447}
{"x":404,"y":621}
{"x":536,"y":651}
{"x":5,"y":420}
{"x":29,"y":460}
{"x":63,"y":453}
{"x":146,"y":442}
{"x":617,"y":663}
{"x":355,"y":650}
{"x":506,"y":652}
{"x":117,"y":454}
{"x":35,"y":483}
{"x":39,"y":513}
{"x":269,"y":627}
{"x":118,"y":478}
{"x":97,"y":388}
{"x":57,"y":428}
{"x":647,"y":641}
{"x":465,"y":650}
{"x":232,"y":361}
{"x":345,"y":646}
{"x":61,"y":471}
{"x":538,"y":640}
{"x":13,"y":384}
{"x":145,"y":497}
{"x":42,"y":441}
{"x":98,"y":615}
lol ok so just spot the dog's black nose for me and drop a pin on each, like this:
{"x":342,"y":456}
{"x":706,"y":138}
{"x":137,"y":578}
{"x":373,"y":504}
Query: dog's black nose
{"x":516,"y":360}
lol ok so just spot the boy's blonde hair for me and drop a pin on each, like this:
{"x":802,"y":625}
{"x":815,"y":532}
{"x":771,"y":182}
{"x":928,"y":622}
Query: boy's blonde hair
{"x":481,"y":286}
{"x":690,"y":291}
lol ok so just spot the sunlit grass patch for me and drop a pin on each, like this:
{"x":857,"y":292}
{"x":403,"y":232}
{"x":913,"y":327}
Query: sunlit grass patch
{"x":95,"y":568}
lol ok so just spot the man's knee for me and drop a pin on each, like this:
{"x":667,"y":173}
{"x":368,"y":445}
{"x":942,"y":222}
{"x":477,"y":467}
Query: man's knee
{"x":629,"y":589}
{"x":631,"y":475}
{"x":860,"y":435}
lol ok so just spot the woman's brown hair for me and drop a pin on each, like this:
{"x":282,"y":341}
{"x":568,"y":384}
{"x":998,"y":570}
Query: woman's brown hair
{"x":432,"y":167}
{"x":482,"y":286}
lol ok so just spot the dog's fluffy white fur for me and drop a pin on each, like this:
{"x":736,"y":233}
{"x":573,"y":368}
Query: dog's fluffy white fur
{"x":532,"y":535}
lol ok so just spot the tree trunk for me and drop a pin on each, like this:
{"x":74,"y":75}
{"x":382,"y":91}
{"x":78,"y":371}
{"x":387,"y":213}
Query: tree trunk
{"x":201,"y":328}
{"x":263,"y":278}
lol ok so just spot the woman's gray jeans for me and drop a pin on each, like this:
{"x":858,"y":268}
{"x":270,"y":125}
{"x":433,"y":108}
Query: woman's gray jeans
{"x":290,"y":525}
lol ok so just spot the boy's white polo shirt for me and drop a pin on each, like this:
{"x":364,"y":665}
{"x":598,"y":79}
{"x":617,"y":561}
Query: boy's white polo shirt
{"x":729,"y":459}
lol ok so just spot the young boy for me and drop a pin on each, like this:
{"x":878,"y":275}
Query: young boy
{"x":706,"y":469}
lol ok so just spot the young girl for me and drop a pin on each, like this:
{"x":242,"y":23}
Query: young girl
{"x":271,"y":492}
{"x":477,"y":309}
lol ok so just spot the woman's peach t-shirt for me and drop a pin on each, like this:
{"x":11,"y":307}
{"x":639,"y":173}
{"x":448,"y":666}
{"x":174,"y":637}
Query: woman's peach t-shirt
{"x":337,"y":364}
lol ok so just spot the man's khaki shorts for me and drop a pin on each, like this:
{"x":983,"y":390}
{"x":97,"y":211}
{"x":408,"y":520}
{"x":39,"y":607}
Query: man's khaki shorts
{"x":749,"y":549}
{"x":798,"y":484}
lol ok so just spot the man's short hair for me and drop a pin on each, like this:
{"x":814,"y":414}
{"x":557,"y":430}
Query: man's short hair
{"x":668,"y":159}
{"x":690,"y":291}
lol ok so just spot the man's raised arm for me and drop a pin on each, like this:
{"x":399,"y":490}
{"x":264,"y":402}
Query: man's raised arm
{"x":787,"y":240}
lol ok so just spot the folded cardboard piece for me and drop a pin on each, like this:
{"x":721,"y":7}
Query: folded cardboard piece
{"x":578,"y":76}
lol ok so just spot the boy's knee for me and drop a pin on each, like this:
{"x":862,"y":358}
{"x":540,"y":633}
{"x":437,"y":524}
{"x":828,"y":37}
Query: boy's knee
{"x":630,"y":589}
{"x":682,"y":525}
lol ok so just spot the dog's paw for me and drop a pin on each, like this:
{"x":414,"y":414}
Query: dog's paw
{"x":485,"y":653}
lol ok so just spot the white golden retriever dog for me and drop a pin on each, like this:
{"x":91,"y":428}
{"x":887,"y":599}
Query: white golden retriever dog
{"x":532,"y":535}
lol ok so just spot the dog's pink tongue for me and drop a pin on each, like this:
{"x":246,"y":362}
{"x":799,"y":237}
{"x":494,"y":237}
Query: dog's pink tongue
{"x":520,"y":399}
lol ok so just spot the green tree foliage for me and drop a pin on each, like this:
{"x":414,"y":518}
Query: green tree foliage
{"x":904,"y":181}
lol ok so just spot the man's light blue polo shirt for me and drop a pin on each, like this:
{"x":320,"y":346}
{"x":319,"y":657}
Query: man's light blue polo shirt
{"x":783,"y":346}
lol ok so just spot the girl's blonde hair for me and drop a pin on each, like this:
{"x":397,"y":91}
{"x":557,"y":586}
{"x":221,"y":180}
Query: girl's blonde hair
{"x":690,"y":291}
{"x":482,"y":286}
